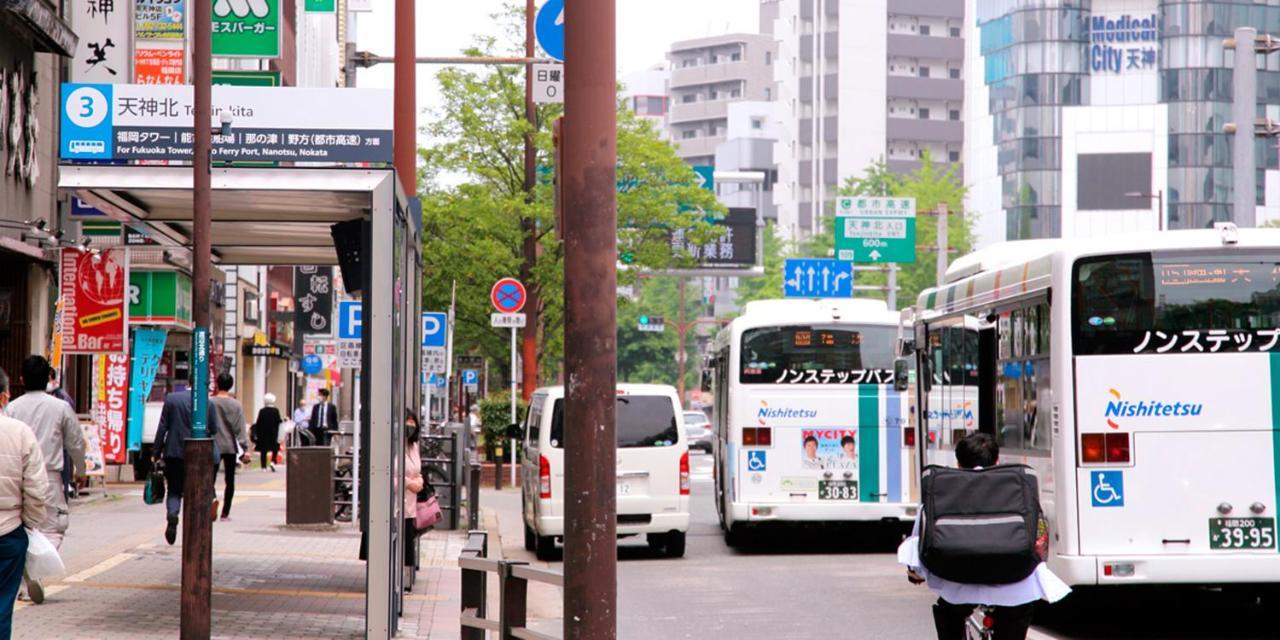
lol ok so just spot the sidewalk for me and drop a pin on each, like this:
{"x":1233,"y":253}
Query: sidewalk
{"x":268,"y":581}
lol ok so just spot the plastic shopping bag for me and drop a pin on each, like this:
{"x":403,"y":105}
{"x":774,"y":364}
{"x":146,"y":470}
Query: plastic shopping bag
{"x":43,"y":561}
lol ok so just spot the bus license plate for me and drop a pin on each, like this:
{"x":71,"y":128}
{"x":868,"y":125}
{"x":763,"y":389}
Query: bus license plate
{"x":838,"y":490}
{"x":1242,"y":533}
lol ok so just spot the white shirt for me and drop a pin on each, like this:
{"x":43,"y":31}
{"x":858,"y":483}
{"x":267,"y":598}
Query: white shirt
{"x":1040,"y":585}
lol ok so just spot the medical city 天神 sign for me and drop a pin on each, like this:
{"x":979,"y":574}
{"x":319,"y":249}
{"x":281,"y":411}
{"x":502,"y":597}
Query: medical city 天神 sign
{"x":153,"y":122}
{"x":1120,"y":44}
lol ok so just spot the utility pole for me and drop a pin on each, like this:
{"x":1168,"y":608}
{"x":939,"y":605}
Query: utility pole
{"x":1244,"y":108}
{"x":529,"y":224}
{"x":589,"y":178}
{"x":682,"y":330}
{"x":197,"y":496}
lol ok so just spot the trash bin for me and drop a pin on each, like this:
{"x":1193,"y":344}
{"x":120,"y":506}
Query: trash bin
{"x":309,"y":486}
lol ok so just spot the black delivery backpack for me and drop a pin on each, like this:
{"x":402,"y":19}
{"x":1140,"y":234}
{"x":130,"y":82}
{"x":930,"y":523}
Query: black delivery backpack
{"x":980,"y":525}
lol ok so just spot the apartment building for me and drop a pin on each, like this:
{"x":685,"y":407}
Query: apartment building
{"x":707,"y":75}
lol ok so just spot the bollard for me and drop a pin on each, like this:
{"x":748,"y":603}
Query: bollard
{"x":512,"y":606}
{"x":473,"y":498}
{"x":497,"y":473}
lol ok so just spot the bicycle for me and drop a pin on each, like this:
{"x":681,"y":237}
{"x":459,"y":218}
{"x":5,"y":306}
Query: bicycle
{"x":980,"y":625}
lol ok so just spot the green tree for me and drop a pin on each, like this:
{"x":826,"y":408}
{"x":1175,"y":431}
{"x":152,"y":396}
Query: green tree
{"x":473,"y":199}
{"x":650,"y":357}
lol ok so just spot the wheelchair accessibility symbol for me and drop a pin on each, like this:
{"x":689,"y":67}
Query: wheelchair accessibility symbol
{"x":1107,"y":488}
{"x":756,"y":461}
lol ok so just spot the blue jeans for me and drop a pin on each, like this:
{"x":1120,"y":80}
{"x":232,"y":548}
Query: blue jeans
{"x":13,"y":558}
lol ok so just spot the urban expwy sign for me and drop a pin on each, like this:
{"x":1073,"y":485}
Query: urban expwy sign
{"x":1123,"y":43}
{"x":876,"y":229}
{"x":153,"y":122}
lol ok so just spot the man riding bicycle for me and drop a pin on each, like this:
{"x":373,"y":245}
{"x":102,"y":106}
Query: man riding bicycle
{"x":1011,"y":604}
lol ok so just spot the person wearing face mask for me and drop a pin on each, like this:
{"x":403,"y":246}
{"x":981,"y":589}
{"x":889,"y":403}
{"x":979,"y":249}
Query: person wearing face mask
{"x":413,"y":483}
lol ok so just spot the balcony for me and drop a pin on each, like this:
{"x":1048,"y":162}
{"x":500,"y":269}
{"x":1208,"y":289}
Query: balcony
{"x":684,"y":77}
{"x":909,"y":45}
{"x":916,"y":130}
{"x":684,"y":112}
{"x":929,"y":8}
{"x":698,"y":147}
{"x":925,"y":88}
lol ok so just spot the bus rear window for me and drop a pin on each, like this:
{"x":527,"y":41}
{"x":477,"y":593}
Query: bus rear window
{"x":818,"y":355}
{"x":1176,"y":304}
{"x":643,"y":421}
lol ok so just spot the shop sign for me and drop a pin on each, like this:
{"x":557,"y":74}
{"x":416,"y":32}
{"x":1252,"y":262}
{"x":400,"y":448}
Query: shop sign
{"x":160,"y":298}
{"x":1124,"y":43}
{"x":313,"y":299}
{"x":95,"y":463}
{"x":111,"y":409}
{"x":263,"y":351}
{"x":19,"y":126}
{"x":148,"y":349}
{"x":246,"y":28}
{"x":93,"y":286}
{"x":159,"y":19}
{"x":103,"y":52}
{"x":153,"y":65}
{"x":247,"y":78}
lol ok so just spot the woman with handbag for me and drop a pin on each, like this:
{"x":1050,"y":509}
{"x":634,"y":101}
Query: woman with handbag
{"x":413,"y":483}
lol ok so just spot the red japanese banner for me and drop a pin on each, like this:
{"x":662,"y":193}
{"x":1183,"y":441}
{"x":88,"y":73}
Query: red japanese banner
{"x":110,"y":411}
{"x":93,"y":313}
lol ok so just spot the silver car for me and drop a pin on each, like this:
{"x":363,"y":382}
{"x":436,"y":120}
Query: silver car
{"x":698,"y":429}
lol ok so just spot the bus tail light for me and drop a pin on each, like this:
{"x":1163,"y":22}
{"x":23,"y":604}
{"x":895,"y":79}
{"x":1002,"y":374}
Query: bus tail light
{"x":908,"y":437}
{"x":1117,"y":447}
{"x":1093,"y":448}
{"x":749,"y":436}
{"x":684,"y":474}
{"x":544,"y":478}
{"x":764,"y":437}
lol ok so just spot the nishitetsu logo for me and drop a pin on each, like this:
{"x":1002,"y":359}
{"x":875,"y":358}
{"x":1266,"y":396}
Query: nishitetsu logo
{"x":776,"y":413}
{"x":1121,"y":408}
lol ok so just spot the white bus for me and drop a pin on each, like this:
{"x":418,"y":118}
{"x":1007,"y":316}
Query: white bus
{"x":1140,"y":377}
{"x":809,"y":427}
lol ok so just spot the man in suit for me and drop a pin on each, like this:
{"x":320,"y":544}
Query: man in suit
{"x":171,"y":437}
{"x":324,"y":418}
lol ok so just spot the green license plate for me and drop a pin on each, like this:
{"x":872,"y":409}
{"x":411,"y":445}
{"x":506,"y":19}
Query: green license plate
{"x":838,"y":490}
{"x":1242,"y":533}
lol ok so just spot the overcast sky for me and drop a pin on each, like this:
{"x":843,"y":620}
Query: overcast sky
{"x":648,"y":27}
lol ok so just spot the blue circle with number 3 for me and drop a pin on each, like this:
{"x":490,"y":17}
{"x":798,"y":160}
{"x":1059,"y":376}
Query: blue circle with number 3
{"x":86,"y":107}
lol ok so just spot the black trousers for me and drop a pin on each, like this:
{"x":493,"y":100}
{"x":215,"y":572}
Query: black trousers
{"x":1011,"y":623}
{"x":228,"y":459}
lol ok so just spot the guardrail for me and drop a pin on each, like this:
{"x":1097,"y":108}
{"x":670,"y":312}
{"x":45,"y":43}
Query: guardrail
{"x":513,"y":591}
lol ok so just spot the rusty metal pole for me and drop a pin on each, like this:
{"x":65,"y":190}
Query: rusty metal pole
{"x":197,"y":516}
{"x":591,"y":285}
{"x":405,"y":120}
{"x":529,"y":349}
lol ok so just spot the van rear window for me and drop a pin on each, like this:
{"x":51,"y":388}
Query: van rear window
{"x":643,"y":421}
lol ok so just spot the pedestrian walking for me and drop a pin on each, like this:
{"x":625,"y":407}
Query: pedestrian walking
{"x":56,"y":390}
{"x":413,"y":483}
{"x":56,"y":428}
{"x":324,"y":418}
{"x":230,"y":438}
{"x":170,"y":450}
{"x":1011,"y":604}
{"x":24,"y":488}
{"x":266,"y":432}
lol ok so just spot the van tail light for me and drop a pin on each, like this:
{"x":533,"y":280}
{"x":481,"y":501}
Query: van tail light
{"x":749,"y":436}
{"x":764,"y":437}
{"x":684,"y":474}
{"x":1093,"y":448}
{"x":1117,"y":447}
{"x":908,"y":437}
{"x":544,"y":478}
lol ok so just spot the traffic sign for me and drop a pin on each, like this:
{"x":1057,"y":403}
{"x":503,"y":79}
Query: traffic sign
{"x":435,"y":329}
{"x":435,"y":360}
{"x":549,"y":28}
{"x":508,"y":320}
{"x":651,"y":324}
{"x":349,"y":352}
{"x":879,"y":230}
{"x":817,"y":278}
{"x":548,"y":83}
{"x":508,"y":295}
{"x":312,"y":364}
{"x":471,"y":380}
{"x":437,"y":381}
{"x":350,"y":320}
{"x":706,"y":176}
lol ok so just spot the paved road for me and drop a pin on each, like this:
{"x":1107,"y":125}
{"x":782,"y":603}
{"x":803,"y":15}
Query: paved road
{"x":846,"y":584}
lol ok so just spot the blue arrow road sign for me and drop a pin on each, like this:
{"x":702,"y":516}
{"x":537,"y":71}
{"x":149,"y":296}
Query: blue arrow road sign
{"x":549,"y":28}
{"x":706,"y":176}
{"x":312,"y":364}
{"x":350,"y":320}
{"x":435,"y":329}
{"x":817,"y":278}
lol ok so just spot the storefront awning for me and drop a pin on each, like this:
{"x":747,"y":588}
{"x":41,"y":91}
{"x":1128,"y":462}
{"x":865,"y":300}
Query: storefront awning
{"x":261,"y":216}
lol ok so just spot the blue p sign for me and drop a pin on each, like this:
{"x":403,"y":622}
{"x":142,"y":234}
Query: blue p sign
{"x":350,"y":320}
{"x":435,"y":329}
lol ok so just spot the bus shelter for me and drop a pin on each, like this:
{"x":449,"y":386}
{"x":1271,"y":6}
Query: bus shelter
{"x":286,"y":216}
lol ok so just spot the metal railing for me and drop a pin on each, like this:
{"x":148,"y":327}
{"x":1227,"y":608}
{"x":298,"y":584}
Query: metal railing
{"x":513,"y":591}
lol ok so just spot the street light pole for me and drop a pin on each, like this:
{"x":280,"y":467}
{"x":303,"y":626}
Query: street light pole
{"x":589,"y":181}
{"x":1158,"y":196}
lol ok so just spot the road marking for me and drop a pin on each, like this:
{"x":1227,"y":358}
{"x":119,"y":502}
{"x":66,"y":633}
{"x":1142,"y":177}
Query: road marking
{"x":99,"y":568}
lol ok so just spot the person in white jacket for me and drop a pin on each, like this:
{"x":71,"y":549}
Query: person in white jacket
{"x":24,"y":488}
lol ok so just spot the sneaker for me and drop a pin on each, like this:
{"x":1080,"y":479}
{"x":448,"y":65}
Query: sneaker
{"x":273,"y":467}
{"x":35,"y":591}
{"x":171,"y":531}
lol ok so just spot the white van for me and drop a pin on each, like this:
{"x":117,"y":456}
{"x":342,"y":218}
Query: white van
{"x":653,"y":468}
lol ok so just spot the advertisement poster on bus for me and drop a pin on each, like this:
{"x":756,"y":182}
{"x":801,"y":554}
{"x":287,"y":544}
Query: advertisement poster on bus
{"x":93,"y":288}
{"x":110,"y":404}
{"x":829,"y":449}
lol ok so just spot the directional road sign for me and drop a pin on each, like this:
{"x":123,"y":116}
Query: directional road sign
{"x":706,"y":176}
{"x":817,"y":278}
{"x":548,"y":27}
{"x":435,"y":329}
{"x":350,"y":320}
{"x":878,"y":230}
{"x":507,"y":295}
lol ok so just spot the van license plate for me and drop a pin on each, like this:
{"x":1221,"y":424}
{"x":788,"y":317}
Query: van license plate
{"x":1242,"y":533}
{"x":838,"y":490}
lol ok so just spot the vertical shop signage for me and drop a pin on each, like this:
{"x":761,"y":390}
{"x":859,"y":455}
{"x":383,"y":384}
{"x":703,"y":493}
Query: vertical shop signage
{"x":93,"y":289}
{"x":246,"y":28}
{"x":313,"y":299}
{"x":102,"y":55}
{"x":110,"y":410}
{"x":148,"y":348}
{"x":159,"y":19}
{"x":153,"y":65}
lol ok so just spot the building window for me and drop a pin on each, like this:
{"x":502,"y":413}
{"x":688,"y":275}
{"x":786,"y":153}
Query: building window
{"x":953,"y":156}
{"x":689,"y":63}
{"x":690,"y":97}
{"x":735,"y":57}
{"x":924,"y":29}
{"x":924,"y":72}
{"x":768,"y":93}
{"x":768,"y":57}
{"x":736,"y":93}
{"x":955,"y":32}
{"x":689,"y":134}
{"x":757,"y":123}
{"x":924,"y":114}
{"x":954,"y":73}
{"x":954,"y":114}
